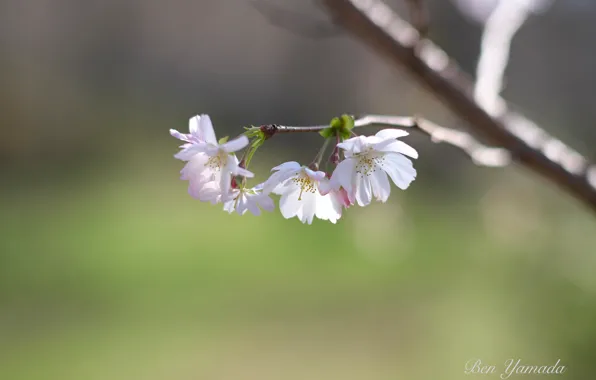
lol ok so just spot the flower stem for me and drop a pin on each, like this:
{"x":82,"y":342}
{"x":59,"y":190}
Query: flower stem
{"x":318,"y":158}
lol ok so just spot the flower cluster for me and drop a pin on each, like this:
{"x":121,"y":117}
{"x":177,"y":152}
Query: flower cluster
{"x":215,"y":174}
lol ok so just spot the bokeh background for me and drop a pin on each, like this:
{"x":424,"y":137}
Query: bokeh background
{"x":110,"y":270}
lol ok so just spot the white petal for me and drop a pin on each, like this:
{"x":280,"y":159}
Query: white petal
{"x":380,"y":185}
{"x":328,"y":208}
{"x":290,"y":165}
{"x":400,"y":169}
{"x":226,"y":174}
{"x":243,"y":172}
{"x":209,"y":149}
{"x":233,"y":168}
{"x":259,"y":187}
{"x":396,"y":147}
{"x":253,"y":208}
{"x":243,"y":204}
{"x":229,"y":206}
{"x":193,"y":126}
{"x":391,"y":133}
{"x":309,"y":206}
{"x":315,"y":175}
{"x":289,"y":205}
{"x":343,"y":175}
{"x":265,"y":202}
{"x":277,"y":179}
{"x":235,"y":145}
{"x":188,"y":152}
{"x":325,"y":186}
{"x":206,"y":131}
{"x":363,"y":191}
{"x":354,"y":145}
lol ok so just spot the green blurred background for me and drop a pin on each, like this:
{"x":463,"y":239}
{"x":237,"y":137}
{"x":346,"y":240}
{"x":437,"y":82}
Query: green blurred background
{"x":110,"y":270}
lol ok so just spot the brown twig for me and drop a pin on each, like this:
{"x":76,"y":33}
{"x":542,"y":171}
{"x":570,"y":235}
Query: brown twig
{"x":480,"y":154}
{"x":380,"y":28}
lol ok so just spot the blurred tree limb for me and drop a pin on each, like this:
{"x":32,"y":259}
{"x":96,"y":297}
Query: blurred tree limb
{"x":375,"y":24}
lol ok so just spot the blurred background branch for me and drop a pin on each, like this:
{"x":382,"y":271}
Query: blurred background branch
{"x":381,"y":28}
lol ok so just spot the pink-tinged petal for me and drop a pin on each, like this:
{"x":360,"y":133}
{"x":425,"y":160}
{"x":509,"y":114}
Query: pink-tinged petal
{"x":194,"y":189}
{"x":343,"y":197}
{"x":391,"y":134}
{"x":206,"y":192}
{"x":194,"y":167}
{"x":179,"y":136}
{"x":206,"y":131}
{"x":400,"y":169}
{"x":235,"y":145}
{"x":396,"y":147}
{"x":290,"y":165}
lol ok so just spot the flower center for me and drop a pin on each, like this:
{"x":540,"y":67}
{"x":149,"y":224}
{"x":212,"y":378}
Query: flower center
{"x":237,"y":198}
{"x":305,"y":183}
{"x":217,"y":162}
{"x":368,"y":163}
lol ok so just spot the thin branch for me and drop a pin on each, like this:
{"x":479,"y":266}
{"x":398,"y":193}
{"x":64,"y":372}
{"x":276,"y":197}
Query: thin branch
{"x":480,"y":154}
{"x":380,"y":28}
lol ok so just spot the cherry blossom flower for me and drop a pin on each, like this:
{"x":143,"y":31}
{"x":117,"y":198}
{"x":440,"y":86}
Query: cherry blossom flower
{"x":251,"y":199}
{"x":210,"y":165}
{"x":368,"y":161}
{"x":300,"y":196}
{"x":201,"y":129}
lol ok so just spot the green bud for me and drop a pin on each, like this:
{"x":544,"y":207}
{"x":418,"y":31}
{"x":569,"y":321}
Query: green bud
{"x":339,"y":126}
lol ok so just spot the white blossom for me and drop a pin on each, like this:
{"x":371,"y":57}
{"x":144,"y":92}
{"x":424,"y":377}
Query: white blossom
{"x":368,"y":161}
{"x":251,"y":199}
{"x":300,"y":196}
